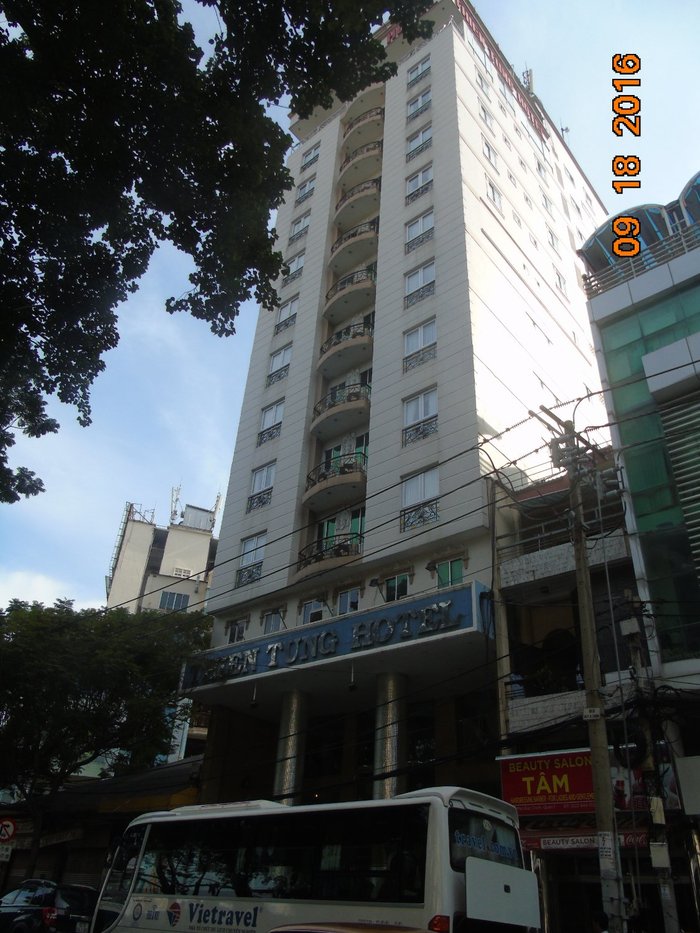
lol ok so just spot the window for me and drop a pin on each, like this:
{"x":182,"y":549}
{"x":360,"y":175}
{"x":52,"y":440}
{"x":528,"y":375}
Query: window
{"x":560,"y":281}
{"x":528,"y":200}
{"x":421,"y":178}
{"x":553,"y":240}
{"x":419,"y":226}
{"x":485,"y":115}
{"x":311,"y":611}
{"x":418,"y":104}
{"x":281,"y":358}
{"x":348,"y":601}
{"x":418,"y":71}
{"x":299,"y":226}
{"x":420,"y":487}
{"x":546,"y":203}
{"x":415,"y":280}
{"x":417,"y":338}
{"x":507,"y":142}
{"x":450,"y":572}
{"x":396,"y":587}
{"x":175,"y":601}
{"x":287,"y":313}
{"x":569,"y":176}
{"x":419,"y":141}
{"x":272,"y":621}
{"x":511,"y":179}
{"x":182,"y":572}
{"x":493,"y":194}
{"x":489,"y":152}
{"x":483,"y":83}
{"x":253,"y":549}
{"x":541,"y":170}
{"x":272,"y":415}
{"x":305,"y":189}
{"x":295,"y":264}
{"x":310,"y":156}
{"x":533,"y":240}
{"x":420,"y":407}
{"x":236,"y":631}
{"x":517,"y":219}
{"x":523,"y":166}
{"x":263,"y":478}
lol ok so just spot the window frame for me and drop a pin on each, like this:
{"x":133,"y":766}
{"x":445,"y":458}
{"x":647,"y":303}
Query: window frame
{"x":418,"y":70}
{"x":345,"y":593}
{"x":421,"y":398}
{"x":419,"y":271}
{"x":429,"y":478}
{"x":256,"y":553}
{"x":265,"y":474}
{"x":285,"y":353}
{"x":420,"y":328}
{"x":419,"y":135}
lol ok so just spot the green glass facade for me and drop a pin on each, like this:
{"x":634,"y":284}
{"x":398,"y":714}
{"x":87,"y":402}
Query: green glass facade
{"x":673,"y":580}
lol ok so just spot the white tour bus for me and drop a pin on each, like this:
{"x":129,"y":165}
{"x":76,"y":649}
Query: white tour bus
{"x":443,"y":859}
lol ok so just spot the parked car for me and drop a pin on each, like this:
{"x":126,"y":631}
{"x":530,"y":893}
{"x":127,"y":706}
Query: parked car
{"x":46,"y":907}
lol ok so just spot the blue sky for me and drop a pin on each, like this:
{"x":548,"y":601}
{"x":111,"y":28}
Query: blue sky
{"x":166,"y":409}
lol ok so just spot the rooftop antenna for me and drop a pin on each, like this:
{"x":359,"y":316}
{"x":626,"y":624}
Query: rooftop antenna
{"x":174,"y":503}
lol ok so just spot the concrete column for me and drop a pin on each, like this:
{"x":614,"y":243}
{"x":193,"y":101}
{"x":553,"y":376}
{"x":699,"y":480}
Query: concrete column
{"x":289,"y":769}
{"x":389,"y":734}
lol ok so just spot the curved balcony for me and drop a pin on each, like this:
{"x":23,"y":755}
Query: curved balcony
{"x":340,"y":482}
{"x":358,"y":203}
{"x":331,"y":552}
{"x":358,"y":245}
{"x":372,"y":96}
{"x":344,"y":409}
{"x":366,"y":127}
{"x":350,"y":295}
{"x":349,"y":348}
{"x":361,"y":164}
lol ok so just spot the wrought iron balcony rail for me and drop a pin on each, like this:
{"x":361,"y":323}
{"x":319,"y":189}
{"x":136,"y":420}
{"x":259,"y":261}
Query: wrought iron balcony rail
{"x":417,"y":150}
{"x":270,"y":433}
{"x":292,"y":276}
{"x":372,"y":184}
{"x":367,"y":149}
{"x":417,"y":515}
{"x":418,"y":111}
{"x":367,"y":115}
{"x":249,"y":574}
{"x":354,"y":278}
{"x":419,"y":357}
{"x":340,"y":466}
{"x":425,"y":291}
{"x":347,"y":333}
{"x":278,"y":375}
{"x":340,"y":396}
{"x":419,"y":240}
{"x":287,"y":322}
{"x":259,"y":499}
{"x":419,"y":192}
{"x":369,"y":226}
{"x":418,"y":77}
{"x":341,"y":545}
{"x":416,"y":432}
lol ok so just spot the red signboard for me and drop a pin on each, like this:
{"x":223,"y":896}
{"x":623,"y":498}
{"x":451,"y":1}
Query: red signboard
{"x":561,"y":782}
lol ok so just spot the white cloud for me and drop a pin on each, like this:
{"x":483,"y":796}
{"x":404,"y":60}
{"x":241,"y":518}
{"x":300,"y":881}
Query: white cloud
{"x":38,"y":587}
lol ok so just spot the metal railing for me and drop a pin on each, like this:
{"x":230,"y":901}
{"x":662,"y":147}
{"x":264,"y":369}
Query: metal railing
{"x":339,"y":466}
{"x":419,"y":192}
{"x":259,"y":499}
{"x":369,"y":226}
{"x":595,"y":283}
{"x":367,"y":149}
{"x":367,"y":115}
{"x":287,"y":322}
{"x":419,"y":357}
{"x":417,"y":515}
{"x":425,"y":291}
{"x":369,"y":185}
{"x":270,"y":433}
{"x":347,"y":333}
{"x":354,"y":278}
{"x":344,"y":545}
{"x":278,"y":375}
{"x":417,"y":432}
{"x":341,"y":395}
{"x":249,"y":574}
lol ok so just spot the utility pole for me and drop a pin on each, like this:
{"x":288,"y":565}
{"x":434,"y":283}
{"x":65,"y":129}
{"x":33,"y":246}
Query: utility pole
{"x":568,"y":449}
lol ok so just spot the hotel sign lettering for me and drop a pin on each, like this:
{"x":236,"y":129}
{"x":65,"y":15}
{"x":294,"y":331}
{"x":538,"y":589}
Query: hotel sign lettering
{"x":390,"y":626}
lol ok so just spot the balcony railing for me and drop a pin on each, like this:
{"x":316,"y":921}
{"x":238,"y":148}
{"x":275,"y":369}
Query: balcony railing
{"x":419,"y":77}
{"x":418,"y":111}
{"x":249,"y":574}
{"x":340,"y":466}
{"x":341,"y":395}
{"x":419,"y":357}
{"x":419,"y":240}
{"x":367,"y":149}
{"x":417,"y":150}
{"x":373,"y":183}
{"x":270,"y":433}
{"x":347,"y":333}
{"x":595,"y":283}
{"x":346,"y":545}
{"x":419,"y":192}
{"x":293,"y":276}
{"x":259,"y":499}
{"x":425,"y":291}
{"x":369,"y":226}
{"x":367,"y":115}
{"x":287,"y":322}
{"x":354,"y":278}
{"x":417,"y":432}
{"x":417,"y":515}
{"x":278,"y":375}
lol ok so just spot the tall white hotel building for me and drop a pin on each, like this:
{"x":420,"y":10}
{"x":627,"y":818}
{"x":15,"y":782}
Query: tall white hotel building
{"x":433,"y":298}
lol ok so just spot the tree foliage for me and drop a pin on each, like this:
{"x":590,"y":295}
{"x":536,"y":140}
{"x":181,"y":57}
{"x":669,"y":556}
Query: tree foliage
{"x":117,"y":135}
{"x":77,"y":686}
